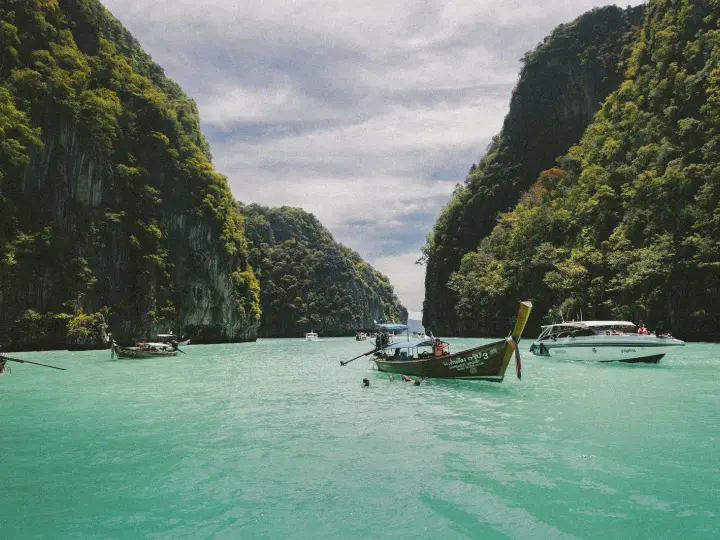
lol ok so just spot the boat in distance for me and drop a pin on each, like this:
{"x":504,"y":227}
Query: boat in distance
{"x":486,"y":362}
{"x":172,"y":339}
{"x":143,"y":350}
{"x":311,"y":336}
{"x":602,"y":341}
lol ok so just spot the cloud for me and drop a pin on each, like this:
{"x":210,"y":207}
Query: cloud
{"x":364,"y":113}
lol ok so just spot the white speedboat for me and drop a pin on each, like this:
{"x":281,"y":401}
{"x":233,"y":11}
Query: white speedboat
{"x":311,"y":336}
{"x":602,"y":341}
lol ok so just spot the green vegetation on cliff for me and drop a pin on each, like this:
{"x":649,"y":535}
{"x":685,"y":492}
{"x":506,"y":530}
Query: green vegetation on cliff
{"x":628,"y":223}
{"x":108,"y":199}
{"x":309,"y":281}
{"x":562,"y":84}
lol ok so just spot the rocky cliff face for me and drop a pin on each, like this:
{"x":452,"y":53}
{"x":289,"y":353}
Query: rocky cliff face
{"x":311,"y":282}
{"x":561,"y":86}
{"x":626,"y":225}
{"x":108,"y":200}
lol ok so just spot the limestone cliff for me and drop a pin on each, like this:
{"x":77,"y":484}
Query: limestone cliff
{"x":562,"y":84}
{"x":311,"y":282}
{"x":108,"y":200}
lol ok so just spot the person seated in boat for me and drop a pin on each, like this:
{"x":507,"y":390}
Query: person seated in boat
{"x":439,"y":348}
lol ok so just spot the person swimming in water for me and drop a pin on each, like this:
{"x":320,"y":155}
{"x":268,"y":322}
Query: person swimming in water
{"x":366,"y":382}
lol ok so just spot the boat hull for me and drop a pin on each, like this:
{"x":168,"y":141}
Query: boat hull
{"x":640,"y":350}
{"x":486,"y":362}
{"x":137,"y":352}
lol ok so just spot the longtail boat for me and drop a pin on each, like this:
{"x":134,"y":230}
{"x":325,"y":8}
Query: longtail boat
{"x":431,"y":358}
{"x":143,"y":350}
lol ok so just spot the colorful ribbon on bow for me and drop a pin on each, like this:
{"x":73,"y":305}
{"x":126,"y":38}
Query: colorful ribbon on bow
{"x":518,"y":363}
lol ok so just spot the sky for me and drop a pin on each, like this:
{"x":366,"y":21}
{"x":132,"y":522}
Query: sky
{"x":366,"y":114}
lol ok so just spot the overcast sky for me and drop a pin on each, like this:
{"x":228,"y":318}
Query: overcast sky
{"x":364,"y":113}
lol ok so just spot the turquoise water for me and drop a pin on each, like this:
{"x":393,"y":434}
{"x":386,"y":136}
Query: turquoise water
{"x":275,"y":440}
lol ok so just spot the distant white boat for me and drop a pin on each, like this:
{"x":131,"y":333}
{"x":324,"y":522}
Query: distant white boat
{"x":602,"y":341}
{"x":311,"y":336}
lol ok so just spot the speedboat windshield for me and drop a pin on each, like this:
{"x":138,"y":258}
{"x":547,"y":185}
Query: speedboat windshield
{"x":588,"y":328}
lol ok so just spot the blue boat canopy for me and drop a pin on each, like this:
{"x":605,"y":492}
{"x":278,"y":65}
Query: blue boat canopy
{"x":408,"y":344}
{"x":392,"y":326}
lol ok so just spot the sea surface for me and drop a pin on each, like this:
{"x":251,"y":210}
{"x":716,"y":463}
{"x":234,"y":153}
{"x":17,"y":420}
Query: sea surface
{"x":275,"y":440}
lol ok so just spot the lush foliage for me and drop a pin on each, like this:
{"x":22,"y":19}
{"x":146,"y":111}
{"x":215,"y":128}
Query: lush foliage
{"x":562,"y":83}
{"x":628,"y":225}
{"x":104,"y":176}
{"x":311,"y":282}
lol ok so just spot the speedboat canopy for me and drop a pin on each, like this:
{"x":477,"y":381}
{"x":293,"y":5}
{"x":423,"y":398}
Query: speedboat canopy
{"x":392,"y":327}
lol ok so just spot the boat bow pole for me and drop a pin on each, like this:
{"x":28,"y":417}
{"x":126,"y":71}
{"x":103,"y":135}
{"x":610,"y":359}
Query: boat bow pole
{"x":29,"y":362}
{"x":348,"y":361}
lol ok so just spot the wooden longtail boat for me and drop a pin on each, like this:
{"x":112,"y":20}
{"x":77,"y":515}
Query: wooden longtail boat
{"x":486,"y":362}
{"x":146,"y":350}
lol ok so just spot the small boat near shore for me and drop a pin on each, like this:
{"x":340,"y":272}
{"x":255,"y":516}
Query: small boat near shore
{"x":143,"y":350}
{"x":311,"y":336}
{"x":431,"y":358}
{"x":602,"y":341}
